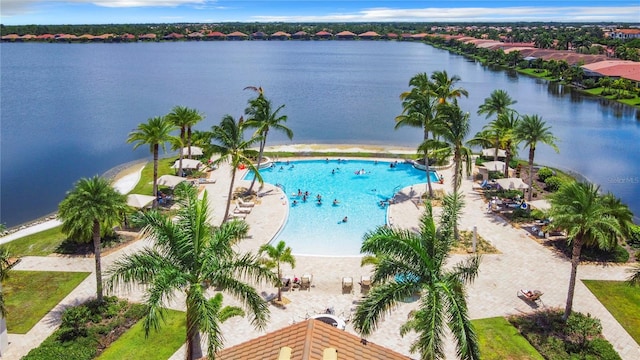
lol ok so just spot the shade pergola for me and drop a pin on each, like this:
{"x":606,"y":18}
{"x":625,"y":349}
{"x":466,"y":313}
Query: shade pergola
{"x":492,"y":153}
{"x":494,"y":165}
{"x":195,"y":151}
{"x":187,"y":164}
{"x":170,"y":180}
{"x":139,"y":201}
{"x":512,"y":184}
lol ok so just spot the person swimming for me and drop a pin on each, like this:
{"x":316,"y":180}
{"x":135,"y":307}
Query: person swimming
{"x":344,"y":220}
{"x":335,"y":202}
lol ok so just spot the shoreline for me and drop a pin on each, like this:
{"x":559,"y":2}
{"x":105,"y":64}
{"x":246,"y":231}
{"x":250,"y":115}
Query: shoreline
{"x":117,"y":173}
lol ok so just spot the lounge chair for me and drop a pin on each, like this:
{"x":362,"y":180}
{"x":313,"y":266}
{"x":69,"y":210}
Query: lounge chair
{"x":235,"y":215}
{"x":287,"y":282}
{"x":305,"y":282}
{"x":532,"y":296}
{"x":241,"y":209}
{"x":347,"y":285}
{"x":243,"y":203}
{"x":365,"y":284}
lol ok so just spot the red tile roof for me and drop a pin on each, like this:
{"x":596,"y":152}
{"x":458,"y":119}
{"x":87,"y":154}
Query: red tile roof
{"x":280,"y":34}
{"x":216,"y":34}
{"x":323,"y":33}
{"x":369,"y":34}
{"x":308,"y":340}
{"x":345,"y":33}
{"x":616,"y":68}
{"x":237,"y":34}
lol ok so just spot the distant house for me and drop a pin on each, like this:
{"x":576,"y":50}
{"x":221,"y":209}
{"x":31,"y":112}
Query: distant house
{"x":391,"y":36}
{"x":280,"y":35}
{"x":147,"y":37}
{"x":28,"y":37}
{"x":195,"y":36}
{"x":614,"y":69}
{"x":345,"y":35}
{"x":65,"y":37}
{"x":419,"y":37}
{"x":215,"y":35}
{"x":11,"y":37}
{"x":127,"y":37}
{"x":406,"y":37}
{"x":309,"y":340}
{"x":323,"y":35}
{"x":45,"y":37}
{"x":625,"y":34}
{"x":369,"y":35}
{"x":237,"y":35}
{"x":259,"y":35}
{"x":173,"y":36}
{"x":300,"y":35}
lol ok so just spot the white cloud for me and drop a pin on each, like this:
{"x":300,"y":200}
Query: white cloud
{"x":142,"y":3}
{"x":530,"y":13}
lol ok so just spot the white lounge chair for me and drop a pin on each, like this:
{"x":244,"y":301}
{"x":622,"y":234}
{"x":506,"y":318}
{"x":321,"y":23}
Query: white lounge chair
{"x":234,"y":215}
{"x":241,"y":209}
{"x":243,"y":203}
{"x":305,"y":281}
{"x":365,"y":284}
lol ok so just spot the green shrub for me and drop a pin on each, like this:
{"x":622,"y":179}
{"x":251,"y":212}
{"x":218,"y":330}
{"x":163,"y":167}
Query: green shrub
{"x":589,"y":83}
{"x":538,"y":214}
{"x":495,"y":175}
{"x":544,"y":173}
{"x":553,"y":183}
{"x":634,"y":238}
{"x":581,"y":328}
{"x":602,"y":349}
{"x":74,"y":323}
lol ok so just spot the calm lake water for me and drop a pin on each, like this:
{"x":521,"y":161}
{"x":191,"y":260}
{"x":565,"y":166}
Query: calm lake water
{"x":66,"y":109}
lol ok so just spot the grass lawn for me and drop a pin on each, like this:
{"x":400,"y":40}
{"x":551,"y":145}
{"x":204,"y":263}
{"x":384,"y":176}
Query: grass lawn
{"x":500,"y":340}
{"x":159,"y":345}
{"x":144,"y":186}
{"x":30,"y":295}
{"x":42,"y":243}
{"x":622,"y":301}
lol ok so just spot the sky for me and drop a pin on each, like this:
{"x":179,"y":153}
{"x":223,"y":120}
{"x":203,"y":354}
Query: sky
{"x":54,"y":12}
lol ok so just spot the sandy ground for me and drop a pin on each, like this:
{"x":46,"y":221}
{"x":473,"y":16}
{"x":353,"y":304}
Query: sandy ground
{"x":522,"y":263}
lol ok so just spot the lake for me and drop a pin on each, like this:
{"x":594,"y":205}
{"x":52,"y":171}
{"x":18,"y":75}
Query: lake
{"x":66,"y":109}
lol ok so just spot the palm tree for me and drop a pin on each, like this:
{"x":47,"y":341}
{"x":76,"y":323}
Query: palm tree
{"x":185,"y":118}
{"x":505,"y":125}
{"x":454,"y":130}
{"x":497,"y":103}
{"x":277,"y":255}
{"x":6,"y":264}
{"x":156,"y":132}
{"x":634,"y":278}
{"x":408,"y":263}
{"x":93,"y":205}
{"x":262,"y":118}
{"x":233,"y":149}
{"x":589,"y":219}
{"x":532,"y":130}
{"x":443,"y":87}
{"x":419,"y":110}
{"x":190,"y":255}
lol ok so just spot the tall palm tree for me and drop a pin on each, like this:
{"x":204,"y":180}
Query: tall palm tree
{"x":156,"y":132}
{"x":277,"y":255}
{"x":90,"y":207}
{"x":6,"y":264}
{"x":190,"y":255}
{"x":505,"y":125}
{"x":263,"y":118}
{"x":185,"y":118}
{"x":234,"y":149}
{"x":408,"y":263}
{"x":454,"y":130}
{"x":444,"y":87}
{"x":531,"y":130}
{"x":419,"y":110}
{"x":589,"y":219}
{"x":497,"y":103}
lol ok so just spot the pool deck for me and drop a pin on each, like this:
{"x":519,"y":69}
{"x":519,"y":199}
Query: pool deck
{"x":522,"y":263}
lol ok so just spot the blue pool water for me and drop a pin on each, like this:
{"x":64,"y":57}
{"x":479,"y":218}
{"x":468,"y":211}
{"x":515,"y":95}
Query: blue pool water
{"x":318,"y":229}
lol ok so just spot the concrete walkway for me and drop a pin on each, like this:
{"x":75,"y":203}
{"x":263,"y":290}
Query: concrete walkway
{"x":522,"y":263}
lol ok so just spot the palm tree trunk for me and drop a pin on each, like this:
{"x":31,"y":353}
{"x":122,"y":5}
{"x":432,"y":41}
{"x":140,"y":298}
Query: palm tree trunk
{"x":189,"y":141}
{"x":230,"y":194}
{"x":426,"y":166}
{"x":575,"y":261}
{"x":96,"y":252}
{"x":280,"y":285}
{"x":507,"y":160}
{"x":532,"y":151}
{"x":194,"y":345}
{"x":255,"y":176}
{"x":495,"y":154}
{"x":457,"y":171}
{"x":155,"y":175}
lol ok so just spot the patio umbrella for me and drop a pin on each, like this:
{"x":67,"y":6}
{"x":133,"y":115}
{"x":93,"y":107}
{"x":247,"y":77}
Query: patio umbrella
{"x":195,"y":151}
{"x":512,"y":184}
{"x":170,"y":180}
{"x":494,"y":165}
{"x":187,"y":164}
{"x":139,"y":201}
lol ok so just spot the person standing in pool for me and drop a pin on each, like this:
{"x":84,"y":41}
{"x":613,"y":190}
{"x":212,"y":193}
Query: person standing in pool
{"x":344,"y":220}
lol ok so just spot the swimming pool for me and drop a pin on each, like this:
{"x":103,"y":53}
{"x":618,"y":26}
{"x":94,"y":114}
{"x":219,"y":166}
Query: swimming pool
{"x":358,"y":185}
